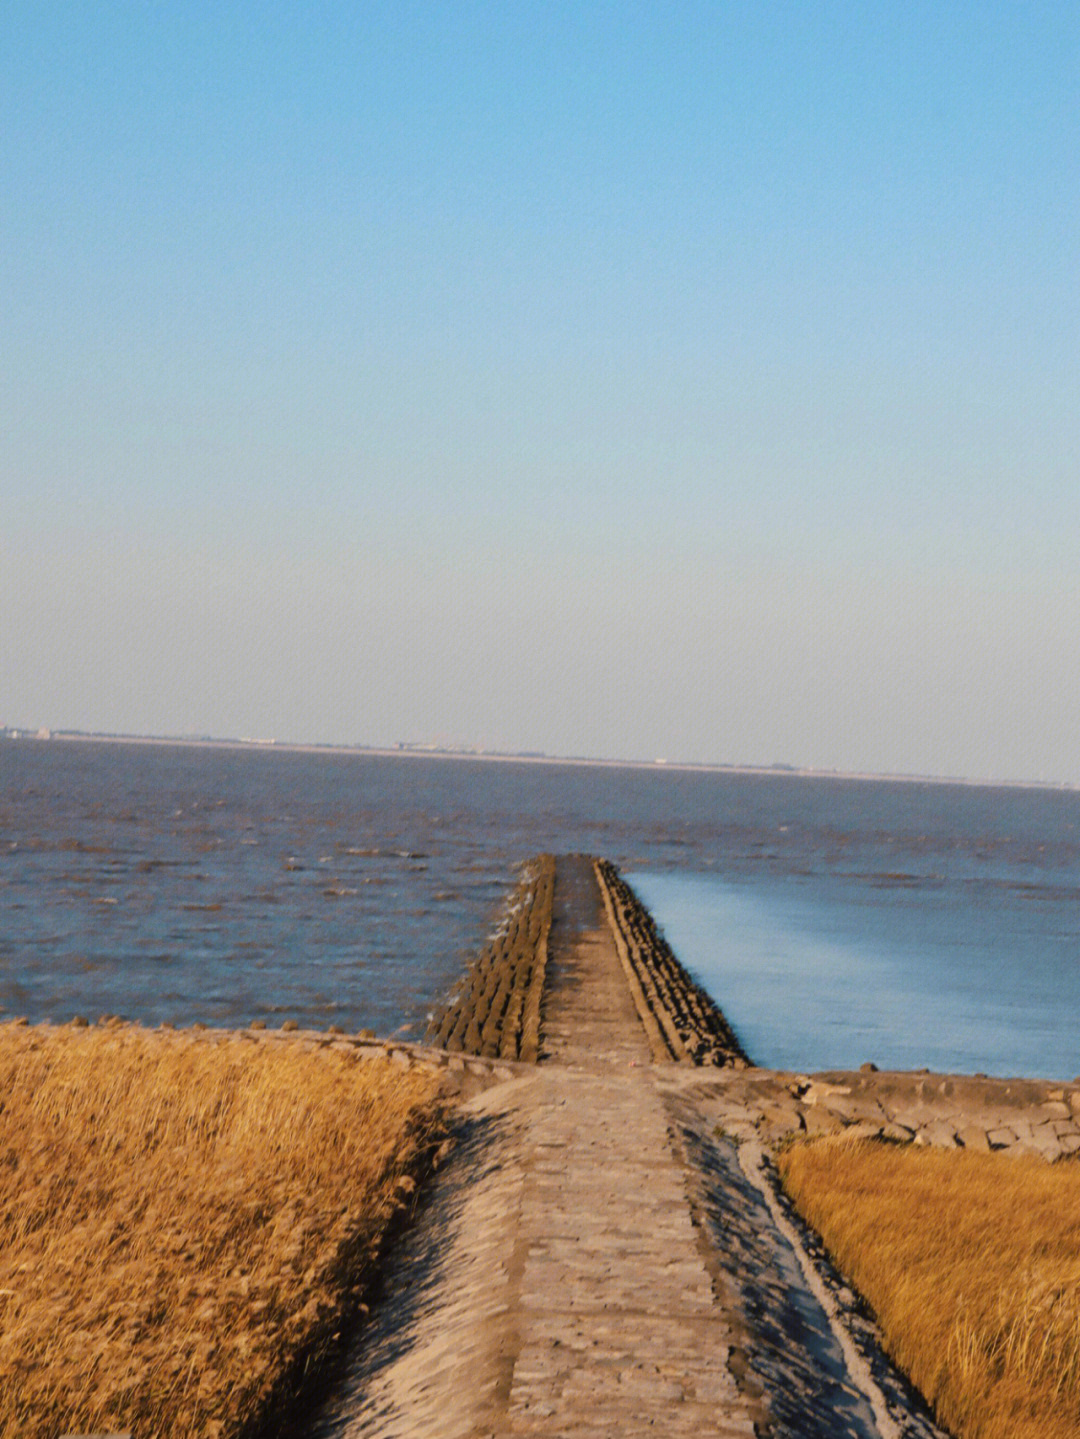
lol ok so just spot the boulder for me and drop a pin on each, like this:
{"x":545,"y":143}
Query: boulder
{"x":1001,"y":1138}
{"x":973,"y":1136}
{"x":939,"y":1134}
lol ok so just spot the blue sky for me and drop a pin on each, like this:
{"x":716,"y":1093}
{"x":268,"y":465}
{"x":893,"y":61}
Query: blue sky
{"x":696,"y":380}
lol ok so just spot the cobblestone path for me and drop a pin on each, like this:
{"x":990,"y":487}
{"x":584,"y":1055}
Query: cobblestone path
{"x":618,"y":1328}
{"x":573,"y":1274}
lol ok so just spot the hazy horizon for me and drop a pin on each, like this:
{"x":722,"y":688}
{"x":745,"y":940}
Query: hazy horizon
{"x":695,"y":382}
{"x":445,"y":748}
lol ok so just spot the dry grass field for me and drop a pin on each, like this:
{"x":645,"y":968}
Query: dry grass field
{"x":971,"y":1263}
{"x":185,"y":1218}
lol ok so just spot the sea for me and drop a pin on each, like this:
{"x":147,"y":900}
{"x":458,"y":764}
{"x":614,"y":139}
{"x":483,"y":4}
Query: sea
{"x":835,"y":920}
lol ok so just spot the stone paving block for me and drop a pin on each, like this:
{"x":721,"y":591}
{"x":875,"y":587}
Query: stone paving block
{"x":939,"y":1134}
{"x":973,"y":1136}
{"x":1043,"y":1141}
{"x":1001,"y":1138}
{"x":897,"y":1132}
{"x":1055,"y":1109}
{"x":821,"y":1120}
{"x":783,"y":1117}
{"x":864,"y":1129}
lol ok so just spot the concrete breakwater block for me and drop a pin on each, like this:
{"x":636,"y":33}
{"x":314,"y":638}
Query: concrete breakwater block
{"x":683,"y":1022}
{"x":497,"y":1012}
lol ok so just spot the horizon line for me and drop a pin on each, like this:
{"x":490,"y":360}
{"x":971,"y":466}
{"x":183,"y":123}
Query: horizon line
{"x":423,"y":750}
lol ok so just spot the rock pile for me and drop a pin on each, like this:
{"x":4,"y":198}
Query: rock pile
{"x":1024,"y":1116}
{"x":496,"y":1014}
{"x":681,"y":1020}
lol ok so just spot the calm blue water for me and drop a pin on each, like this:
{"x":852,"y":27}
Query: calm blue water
{"x":828,"y":976}
{"x":834,"y":920}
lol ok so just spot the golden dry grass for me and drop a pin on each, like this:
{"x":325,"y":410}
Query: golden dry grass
{"x":971,"y":1263}
{"x":184,"y":1219}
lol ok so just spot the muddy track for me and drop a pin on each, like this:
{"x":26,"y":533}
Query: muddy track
{"x":682,"y":1022}
{"x":496,"y":1013}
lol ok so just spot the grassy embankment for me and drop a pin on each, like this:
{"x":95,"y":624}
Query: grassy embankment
{"x":185,"y":1220}
{"x":971,"y":1263}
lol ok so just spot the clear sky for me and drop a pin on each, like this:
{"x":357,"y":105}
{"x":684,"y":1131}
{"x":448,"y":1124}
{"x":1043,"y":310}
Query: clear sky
{"x":684,"y":379}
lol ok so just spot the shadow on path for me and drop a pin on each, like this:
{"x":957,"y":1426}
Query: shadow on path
{"x":790,"y":1349}
{"x":417,"y":1282}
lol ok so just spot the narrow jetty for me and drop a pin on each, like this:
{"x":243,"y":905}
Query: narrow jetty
{"x":605,"y":1252}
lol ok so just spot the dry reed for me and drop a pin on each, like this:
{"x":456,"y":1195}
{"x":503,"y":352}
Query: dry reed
{"x":185,"y":1220}
{"x":971,"y":1263}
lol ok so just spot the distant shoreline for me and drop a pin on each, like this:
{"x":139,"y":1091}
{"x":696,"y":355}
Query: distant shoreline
{"x":414,"y":751}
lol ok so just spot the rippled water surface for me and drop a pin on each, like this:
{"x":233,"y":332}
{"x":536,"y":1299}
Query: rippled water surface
{"x":967,"y":978}
{"x":835,"y":920}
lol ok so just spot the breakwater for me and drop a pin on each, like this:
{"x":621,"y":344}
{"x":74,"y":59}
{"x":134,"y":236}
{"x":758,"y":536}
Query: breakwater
{"x":575,"y":1271}
{"x":682,"y":1021}
{"x":604,"y":1248}
{"x":496,"y":1013}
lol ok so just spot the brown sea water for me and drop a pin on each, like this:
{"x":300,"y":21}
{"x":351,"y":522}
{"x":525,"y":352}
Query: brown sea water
{"x":835,"y":920}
